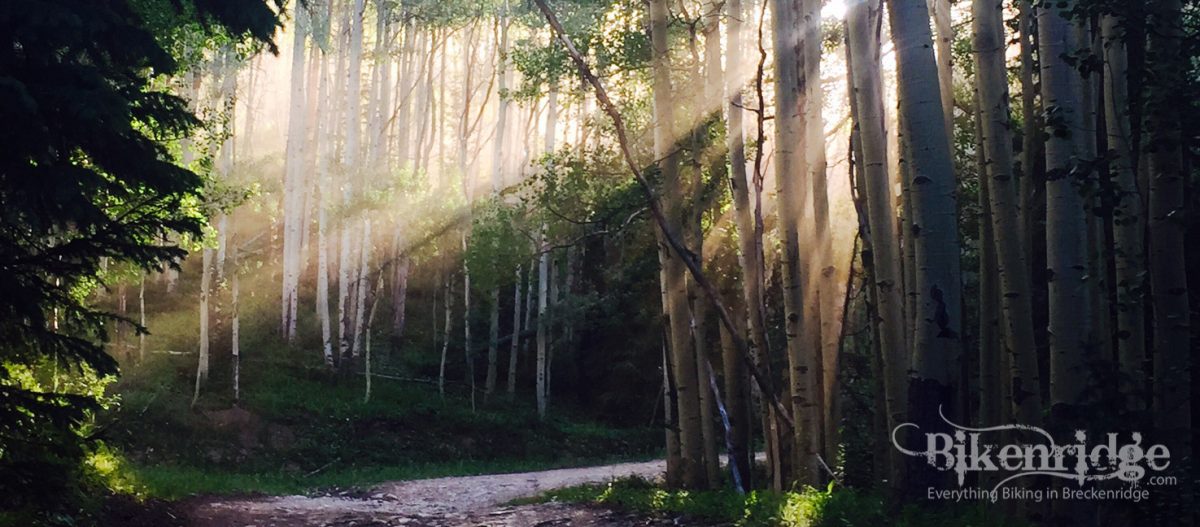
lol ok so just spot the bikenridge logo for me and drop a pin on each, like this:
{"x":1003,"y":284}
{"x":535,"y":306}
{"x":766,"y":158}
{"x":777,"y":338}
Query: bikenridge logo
{"x":1029,"y":451}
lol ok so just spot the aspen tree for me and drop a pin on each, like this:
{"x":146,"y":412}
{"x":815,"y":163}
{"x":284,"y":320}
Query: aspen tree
{"x":864,"y":20}
{"x":1004,"y":202}
{"x":1129,"y":222}
{"x":937,"y":342}
{"x":791,"y":169}
{"x":1066,"y":221}
{"x":678,"y":316}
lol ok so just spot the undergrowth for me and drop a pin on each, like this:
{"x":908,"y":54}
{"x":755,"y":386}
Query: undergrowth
{"x":829,"y":507}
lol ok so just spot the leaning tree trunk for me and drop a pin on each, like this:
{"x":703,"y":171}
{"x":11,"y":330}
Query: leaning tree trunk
{"x":938,"y":333}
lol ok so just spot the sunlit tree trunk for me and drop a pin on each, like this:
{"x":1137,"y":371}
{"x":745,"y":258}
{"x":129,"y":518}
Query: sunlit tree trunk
{"x":1066,"y":221}
{"x":864,"y":21}
{"x":791,"y":169}
{"x":750,"y":257}
{"x":943,"y":40}
{"x":235,"y":337}
{"x":293,"y":175}
{"x":821,"y":286}
{"x":347,"y":268}
{"x":1129,"y":253}
{"x":678,"y":316}
{"x":408,"y":80}
{"x":205,"y":287}
{"x":323,"y":144}
{"x":362,"y":286}
{"x":714,"y":159}
{"x":498,"y":146}
{"x":1004,"y":201}
{"x":937,"y":342}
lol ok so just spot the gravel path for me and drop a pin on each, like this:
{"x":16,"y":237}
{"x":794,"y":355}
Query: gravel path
{"x":457,"y":501}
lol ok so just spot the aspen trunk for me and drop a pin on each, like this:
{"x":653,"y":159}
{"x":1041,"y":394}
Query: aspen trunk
{"x":740,"y":409}
{"x":1168,"y":270}
{"x":293,"y":175}
{"x":493,"y":356}
{"x":821,"y":289}
{"x":937,"y":343}
{"x":142,"y":319}
{"x":515,"y":344}
{"x":235,"y":337}
{"x":791,"y":93}
{"x":402,"y":265}
{"x":864,"y":20}
{"x":1066,"y":222}
{"x":323,"y":144}
{"x":202,"y":363}
{"x":361,"y":286}
{"x":943,"y":40}
{"x":683,"y":358}
{"x":467,"y":342}
{"x":449,"y":297}
{"x":1004,"y":205}
{"x":1129,"y":253}
{"x":543,"y":303}
{"x":750,"y":256}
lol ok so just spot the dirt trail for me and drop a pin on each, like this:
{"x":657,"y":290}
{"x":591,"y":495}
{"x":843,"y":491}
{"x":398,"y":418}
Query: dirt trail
{"x":469,"y":500}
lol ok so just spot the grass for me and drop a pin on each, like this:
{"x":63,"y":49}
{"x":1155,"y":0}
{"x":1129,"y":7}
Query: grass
{"x":175,"y":482}
{"x":299,"y":429}
{"x":830,"y":507}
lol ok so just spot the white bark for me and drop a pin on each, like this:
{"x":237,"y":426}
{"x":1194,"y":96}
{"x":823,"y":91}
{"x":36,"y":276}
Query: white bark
{"x":543,"y":303}
{"x":449,"y":296}
{"x":293,"y":175}
{"x":362,"y":286}
{"x":1066,"y":223}
{"x":202,"y":363}
{"x":141,"y":319}
{"x":235,"y":329}
{"x":515,"y":343}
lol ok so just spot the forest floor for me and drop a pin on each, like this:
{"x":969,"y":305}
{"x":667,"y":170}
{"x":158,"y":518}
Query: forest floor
{"x":454,"y":501}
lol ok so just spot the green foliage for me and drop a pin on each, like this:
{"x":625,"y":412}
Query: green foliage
{"x":831,"y":507}
{"x":299,"y":428}
{"x":86,"y":178}
{"x":610,"y":34}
